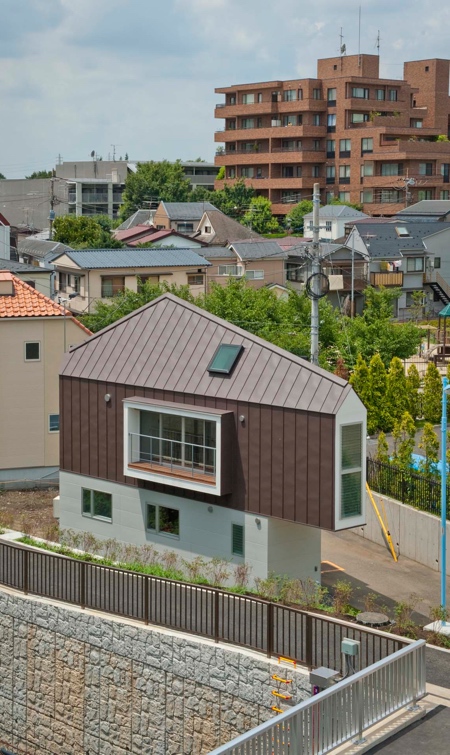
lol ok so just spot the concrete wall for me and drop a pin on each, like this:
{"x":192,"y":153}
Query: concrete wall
{"x":415,"y":534}
{"x":26,"y":202}
{"x":205,"y":530}
{"x":74,"y":683}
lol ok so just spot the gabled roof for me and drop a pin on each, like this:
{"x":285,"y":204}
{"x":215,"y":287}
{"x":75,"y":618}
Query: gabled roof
{"x":330,"y":211}
{"x":383,"y":242}
{"x":104,"y":259}
{"x":140,"y":217}
{"x":164,"y":234}
{"x":3,"y":220}
{"x":225,"y":229}
{"x":168,"y":344}
{"x":134,"y":232}
{"x":186,"y":210}
{"x":257,"y":250}
{"x":22,"y":267}
{"x":27,"y":302}
{"x":217,"y":253}
{"x":39,"y":248}
{"x":437,"y":207}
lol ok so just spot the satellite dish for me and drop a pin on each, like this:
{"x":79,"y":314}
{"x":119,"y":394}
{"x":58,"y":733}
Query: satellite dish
{"x":93,"y":153}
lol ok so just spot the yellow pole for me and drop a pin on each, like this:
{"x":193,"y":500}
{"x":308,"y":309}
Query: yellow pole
{"x":386,"y":532}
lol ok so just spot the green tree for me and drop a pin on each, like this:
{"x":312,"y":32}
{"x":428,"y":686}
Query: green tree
{"x":432,"y":394}
{"x":154,"y":181}
{"x":84,"y":232}
{"x":259,"y":216}
{"x":234,"y":199}
{"x":396,"y":401}
{"x":359,"y":379}
{"x":200,"y":194}
{"x":413,"y":388}
{"x":41,"y":174}
{"x":221,"y":174}
{"x":378,"y":417}
{"x":2,"y":176}
{"x":294,"y":218}
{"x":382,"y":455}
{"x":404,"y":433}
{"x":429,"y":445}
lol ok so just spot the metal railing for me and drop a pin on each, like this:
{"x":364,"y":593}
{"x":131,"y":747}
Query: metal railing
{"x":413,"y":488}
{"x":243,"y":620}
{"x":342,"y":712}
{"x":172,"y":454}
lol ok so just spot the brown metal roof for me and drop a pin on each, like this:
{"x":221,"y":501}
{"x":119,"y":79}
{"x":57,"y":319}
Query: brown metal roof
{"x":168,"y":344}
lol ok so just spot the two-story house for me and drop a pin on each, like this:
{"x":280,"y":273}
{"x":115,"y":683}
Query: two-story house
{"x":332,"y":221}
{"x":182,"y":430}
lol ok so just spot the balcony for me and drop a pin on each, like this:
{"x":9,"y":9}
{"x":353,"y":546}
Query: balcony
{"x":386,"y":279}
{"x":188,"y":461}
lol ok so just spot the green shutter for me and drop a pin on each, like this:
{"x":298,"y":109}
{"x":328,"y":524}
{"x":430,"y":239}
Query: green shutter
{"x":237,"y":547}
{"x":351,"y":446}
{"x":351,"y":495}
{"x":351,"y":470}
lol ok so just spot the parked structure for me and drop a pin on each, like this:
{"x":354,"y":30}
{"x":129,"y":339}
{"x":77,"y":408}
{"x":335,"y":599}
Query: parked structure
{"x":184,"y":431}
{"x":34,"y":333}
{"x":100,"y":274}
{"x":364,"y":139}
{"x":332,"y":221}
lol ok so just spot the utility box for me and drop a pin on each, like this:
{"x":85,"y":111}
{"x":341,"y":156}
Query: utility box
{"x":350,"y":647}
{"x":322,"y":678}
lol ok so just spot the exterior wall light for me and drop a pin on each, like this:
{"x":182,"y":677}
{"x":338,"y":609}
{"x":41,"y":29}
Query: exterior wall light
{"x":107,"y":397}
{"x":242,"y":418}
{"x":210,"y":509}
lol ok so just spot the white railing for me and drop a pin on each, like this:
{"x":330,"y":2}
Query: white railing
{"x":172,"y":454}
{"x":342,"y":712}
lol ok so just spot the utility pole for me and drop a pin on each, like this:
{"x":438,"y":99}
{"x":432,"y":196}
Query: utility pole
{"x":51,"y":215}
{"x":315,"y":278}
{"x":352,"y":295}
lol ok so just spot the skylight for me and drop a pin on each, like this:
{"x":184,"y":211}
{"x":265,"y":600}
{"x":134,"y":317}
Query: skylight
{"x":225,"y":358}
{"x":401,"y":230}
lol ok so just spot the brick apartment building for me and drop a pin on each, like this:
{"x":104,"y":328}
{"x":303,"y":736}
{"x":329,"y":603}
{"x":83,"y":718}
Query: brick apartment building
{"x":364,"y":139}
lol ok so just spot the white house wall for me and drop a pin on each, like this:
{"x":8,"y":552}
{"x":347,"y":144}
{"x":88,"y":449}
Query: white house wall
{"x":352,"y":411}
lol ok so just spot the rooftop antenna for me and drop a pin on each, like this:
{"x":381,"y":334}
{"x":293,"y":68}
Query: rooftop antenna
{"x":359,"y":37}
{"x":378,"y":43}
{"x":342,"y":47}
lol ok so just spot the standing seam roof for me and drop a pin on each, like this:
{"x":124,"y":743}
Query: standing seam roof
{"x":102,"y":259}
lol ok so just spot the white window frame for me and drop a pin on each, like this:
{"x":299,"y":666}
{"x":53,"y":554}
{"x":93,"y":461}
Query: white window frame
{"x":157,"y":531}
{"x":91,"y":515}
{"x":50,"y":424}
{"x":412,"y":267}
{"x":254,"y":274}
{"x":131,"y":424}
{"x":25,"y":351}
{"x":239,"y":270}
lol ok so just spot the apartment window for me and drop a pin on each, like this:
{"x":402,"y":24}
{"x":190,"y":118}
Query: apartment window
{"x":185,"y":227}
{"x":231,"y":125}
{"x":414,"y":265}
{"x":425,"y":169}
{"x":315,"y":171}
{"x":367,"y":196}
{"x":437,"y":263}
{"x":248,"y":123}
{"x":393,"y":95}
{"x":329,"y":196}
{"x":328,"y":226}
{"x":248,"y":99}
{"x":317,"y":94}
{"x":287,"y":171}
{"x":62,"y":282}
{"x":344,"y":196}
{"x":111,"y":286}
{"x":290,"y":197}
{"x":260,"y":97}
{"x":345,"y":146}
{"x":391,"y":169}
{"x":331,"y":148}
{"x":360,"y":93}
{"x":316,"y":119}
{"x":231,"y":270}
{"x":76,"y":283}
{"x":366,"y":145}
{"x":247,"y":172}
{"x":380,"y":94}
{"x":195,"y":280}
{"x":445,"y":171}
{"x":344,"y":171}
{"x":317,"y":145}
{"x":390,"y":195}
{"x":367,"y":169}
{"x":237,"y":539}
{"x":359,"y":117}
{"x":331,"y":96}
{"x":96,"y":504}
{"x":291,"y":145}
{"x":33,"y":351}
{"x":259,"y":123}
{"x":231,"y":173}
{"x":445,"y":194}
{"x":424,"y":194}
{"x":163,"y":520}
{"x":351,"y":471}
{"x":330,"y":173}
{"x":53,"y":423}
{"x":300,"y":94}
{"x":259,"y":173}
{"x":416,"y":123}
{"x":254,"y":274}
{"x":289,"y":95}
{"x":292,"y":120}
{"x":331,"y":122}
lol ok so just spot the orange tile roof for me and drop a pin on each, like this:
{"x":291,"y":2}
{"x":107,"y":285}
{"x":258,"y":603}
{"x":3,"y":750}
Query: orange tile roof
{"x":27,"y":302}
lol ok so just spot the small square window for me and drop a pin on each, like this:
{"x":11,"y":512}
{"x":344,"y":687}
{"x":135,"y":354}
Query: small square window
{"x":53,"y":423}
{"x":96,"y":504}
{"x":163,"y":520}
{"x":237,"y":539}
{"x":225,"y":358}
{"x":32,"y":351}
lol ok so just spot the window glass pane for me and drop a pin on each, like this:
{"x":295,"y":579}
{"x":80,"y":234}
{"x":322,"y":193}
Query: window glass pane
{"x":225,"y":358}
{"x":86,"y":501}
{"x":237,"y":537}
{"x":53,"y":423}
{"x":437,"y":263}
{"x":351,"y":494}
{"x":102,"y":504}
{"x":351,"y":450}
{"x":32,"y":351}
{"x":169,"y":521}
{"x":151,"y":516}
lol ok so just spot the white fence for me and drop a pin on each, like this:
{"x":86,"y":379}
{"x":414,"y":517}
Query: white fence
{"x":342,"y":712}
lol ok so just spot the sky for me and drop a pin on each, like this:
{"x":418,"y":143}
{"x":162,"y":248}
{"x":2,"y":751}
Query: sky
{"x":82,"y":75}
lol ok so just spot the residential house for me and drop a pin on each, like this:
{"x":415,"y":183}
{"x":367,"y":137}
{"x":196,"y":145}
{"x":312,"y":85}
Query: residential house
{"x":264,"y":263}
{"x":140,"y":217}
{"x":5,"y":238}
{"x":217,"y":229}
{"x":34,"y":333}
{"x":38,"y":251}
{"x":332,"y":221}
{"x":40,"y":278}
{"x":361,"y":137}
{"x":161,"y":239}
{"x":186,"y":432}
{"x":99,"y":274}
{"x":181,"y":216}
{"x":428,"y":210}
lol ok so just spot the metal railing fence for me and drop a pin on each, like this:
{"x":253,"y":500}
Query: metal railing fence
{"x":244,"y":620}
{"x":173,"y":454}
{"x":342,"y":712}
{"x":412,"y":488}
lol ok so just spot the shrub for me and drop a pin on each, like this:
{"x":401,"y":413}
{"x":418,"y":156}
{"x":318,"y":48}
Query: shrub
{"x":195,"y":569}
{"x":219,"y":571}
{"x":242,"y":575}
{"x":403,"y":617}
{"x":342,"y":593}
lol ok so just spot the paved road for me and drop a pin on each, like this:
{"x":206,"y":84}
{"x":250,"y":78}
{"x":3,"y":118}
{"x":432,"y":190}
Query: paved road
{"x":429,"y":735}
